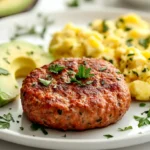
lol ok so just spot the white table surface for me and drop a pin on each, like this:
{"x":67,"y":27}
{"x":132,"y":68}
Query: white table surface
{"x":56,"y":5}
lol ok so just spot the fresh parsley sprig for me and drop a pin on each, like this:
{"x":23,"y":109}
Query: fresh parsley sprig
{"x":56,"y":68}
{"x":143,"y":121}
{"x":83,"y":73}
{"x":5,"y":121}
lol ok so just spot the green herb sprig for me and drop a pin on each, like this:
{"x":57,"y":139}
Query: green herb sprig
{"x":35,"y":127}
{"x":83,"y":73}
{"x":143,"y":121}
{"x":5,"y":121}
{"x":32,"y":31}
{"x":105,"y":27}
{"x":125,"y":128}
{"x":56,"y":68}
{"x":145,"y":42}
{"x":108,"y":136}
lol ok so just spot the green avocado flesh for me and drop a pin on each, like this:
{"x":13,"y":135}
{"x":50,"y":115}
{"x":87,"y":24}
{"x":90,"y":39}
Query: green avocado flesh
{"x":9,"y":7}
{"x":17,"y":59}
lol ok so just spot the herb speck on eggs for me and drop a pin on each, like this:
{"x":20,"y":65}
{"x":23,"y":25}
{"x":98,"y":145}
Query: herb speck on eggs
{"x":30,"y":53}
{"x":145,"y":42}
{"x":105,"y":27}
{"x":129,"y":42}
{"x":127,"y":29}
{"x":130,"y":54}
{"x":144,"y":70}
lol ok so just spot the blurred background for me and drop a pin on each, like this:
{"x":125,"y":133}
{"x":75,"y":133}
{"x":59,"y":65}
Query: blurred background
{"x":11,"y":7}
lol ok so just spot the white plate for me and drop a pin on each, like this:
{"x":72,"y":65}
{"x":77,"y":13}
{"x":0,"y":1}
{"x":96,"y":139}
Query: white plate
{"x":91,"y":139}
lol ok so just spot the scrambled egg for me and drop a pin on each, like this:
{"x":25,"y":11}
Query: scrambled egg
{"x":125,"y":42}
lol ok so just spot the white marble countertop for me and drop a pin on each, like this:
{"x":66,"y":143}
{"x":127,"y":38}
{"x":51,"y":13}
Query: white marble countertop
{"x":57,"y":5}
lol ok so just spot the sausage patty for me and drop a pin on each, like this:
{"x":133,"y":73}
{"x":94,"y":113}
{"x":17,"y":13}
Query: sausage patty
{"x":69,"y":102}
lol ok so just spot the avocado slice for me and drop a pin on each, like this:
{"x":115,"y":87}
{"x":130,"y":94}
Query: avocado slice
{"x":9,"y":7}
{"x":17,"y":59}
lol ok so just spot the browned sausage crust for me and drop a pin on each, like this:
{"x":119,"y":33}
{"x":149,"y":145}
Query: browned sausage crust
{"x":70,"y":106}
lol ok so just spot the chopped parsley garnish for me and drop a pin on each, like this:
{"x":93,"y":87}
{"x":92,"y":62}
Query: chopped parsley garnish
{"x":134,"y":72}
{"x":102,"y":82}
{"x":56,"y":68}
{"x":16,"y":86}
{"x":6,"y":60}
{"x":111,"y":61}
{"x":125,"y":128}
{"x":118,"y":79}
{"x":4,"y":125}
{"x":145,"y":42}
{"x":83,"y":73}
{"x":30,"y":53}
{"x":90,"y":24}
{"x":73,"y":3}
{"x":108,"y":136}
{"x":59,"y":111}
{"x":118,"y":72}
{"x":22,"y":128}
{"x":129,"y":42}
{"x":33,"y":30}
{"x":64,"y":135}
{"x":143,"y":121}
{"x":4,"y":72}
{"x":35,"y":127}
{"x":5,"y":121}
{"x":144,"y":70}
{"x":19,"y":116}
{"x":105,"y":27}
{"x":120,"y":21}
{"x":45,"y":82}
{"x":130,"y":54}
{"x":103,"y":69}
{"x":142,"y":104}
{"x":127,"y":29}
